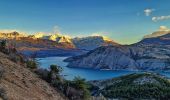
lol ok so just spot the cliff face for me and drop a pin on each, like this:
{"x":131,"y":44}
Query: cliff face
{"x":91,"y":42}
{"x":19,"y":83}
{"x":152,"y":53}
{"x":124,"y":57}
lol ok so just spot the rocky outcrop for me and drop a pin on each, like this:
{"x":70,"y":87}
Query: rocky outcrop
{"x":148,"y":57}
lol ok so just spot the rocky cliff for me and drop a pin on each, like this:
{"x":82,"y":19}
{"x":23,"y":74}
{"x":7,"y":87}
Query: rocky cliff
{"x":137,"y":57}
{"x":151,"y":53}
{"x":92,"y":42}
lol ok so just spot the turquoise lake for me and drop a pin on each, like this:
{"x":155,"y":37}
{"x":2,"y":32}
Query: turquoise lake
{"x":88,"y":74}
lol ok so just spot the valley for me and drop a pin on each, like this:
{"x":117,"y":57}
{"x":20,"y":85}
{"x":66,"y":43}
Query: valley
{"x":84,"y":50}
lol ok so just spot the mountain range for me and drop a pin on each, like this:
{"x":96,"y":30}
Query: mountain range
{"x":151,"y":53}
{"x":40,"y":41}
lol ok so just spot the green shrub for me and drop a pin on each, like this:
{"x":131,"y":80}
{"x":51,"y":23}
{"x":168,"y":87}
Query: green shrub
{"x":56,"y":69}
{"x":81,"y":84}
{"x":32,"y":64}
{"x":3,"y":44}
{"x":43,"y":73}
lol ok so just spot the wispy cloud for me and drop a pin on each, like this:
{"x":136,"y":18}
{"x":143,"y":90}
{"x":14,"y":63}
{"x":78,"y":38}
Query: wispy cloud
{"x":56,"y":29}
{"x":11,"y":30}
{"x":148,"y":12}
{"x":7,"y":31}
{"x":160,"y":18}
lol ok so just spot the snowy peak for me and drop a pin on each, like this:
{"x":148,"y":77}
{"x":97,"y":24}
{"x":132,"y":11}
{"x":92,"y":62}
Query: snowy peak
{"x":38,"y":35}
{"x":60,"y":38}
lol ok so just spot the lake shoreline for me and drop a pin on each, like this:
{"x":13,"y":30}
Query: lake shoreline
{"x":87,"y":73}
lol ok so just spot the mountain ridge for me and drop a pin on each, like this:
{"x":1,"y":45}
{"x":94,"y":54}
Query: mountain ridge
{"x":131,"y":57}
{"x":40,"y":41}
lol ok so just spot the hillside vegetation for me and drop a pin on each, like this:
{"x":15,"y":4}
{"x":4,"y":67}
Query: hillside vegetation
{"x":17,"y":82}
{"x":134,"y":86}
{"x":23,"y":79}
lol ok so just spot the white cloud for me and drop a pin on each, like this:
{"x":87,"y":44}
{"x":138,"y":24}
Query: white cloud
{"x":148,"y":11}
{"x":99,"y":34}
{"x":160,"y":18}
{"x":164,"y":28}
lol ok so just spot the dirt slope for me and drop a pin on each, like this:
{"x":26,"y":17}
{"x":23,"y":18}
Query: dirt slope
{"x":20,"y":83}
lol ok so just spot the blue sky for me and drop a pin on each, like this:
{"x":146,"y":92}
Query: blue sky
{"x":125,"y":21}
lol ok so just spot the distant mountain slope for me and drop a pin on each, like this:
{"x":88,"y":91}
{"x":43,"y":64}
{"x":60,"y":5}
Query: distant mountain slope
{"x":151,"y":53}
{"x":19,"y":83}
{"x":134,"y":86}
{"x":11,"y":35}
{"x":92,"y":42}
{"x":160,"y":37}
{"x":40,"y":41}
{"x":159,"y":40}
{"x":87,"y":43}
{"x":41,"y":44}
{"x":33,"y":43}
{"x":124,"y":57}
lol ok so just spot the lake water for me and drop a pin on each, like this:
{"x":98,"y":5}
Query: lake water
{"x":88,"y":74}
